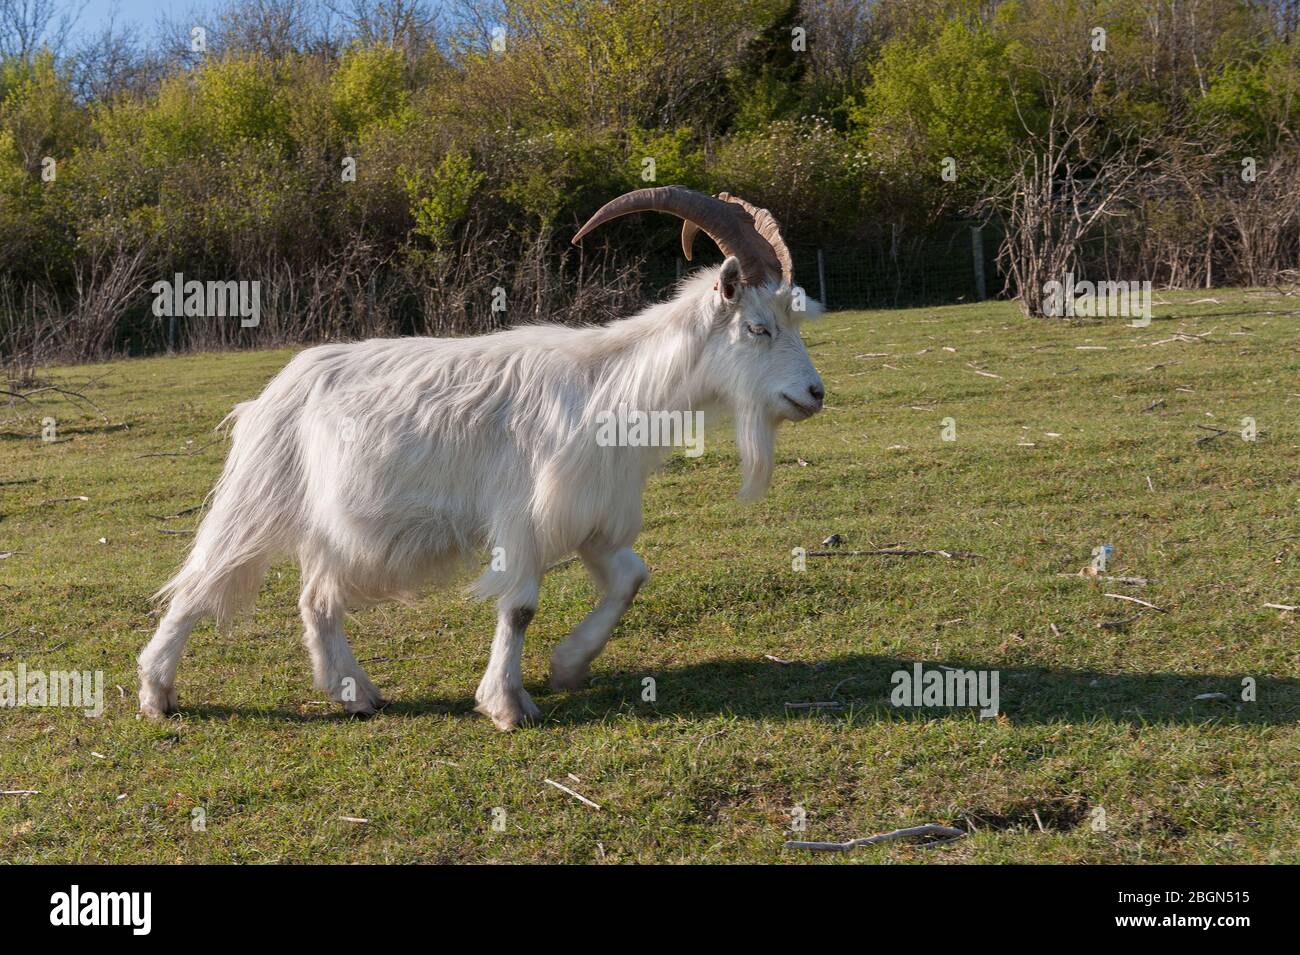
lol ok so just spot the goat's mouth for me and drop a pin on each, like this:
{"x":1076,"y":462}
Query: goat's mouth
{"x":804,"y":411}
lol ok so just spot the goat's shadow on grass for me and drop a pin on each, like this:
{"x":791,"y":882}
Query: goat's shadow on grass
{"x":761,"y":689}
{"x":861,"y":684}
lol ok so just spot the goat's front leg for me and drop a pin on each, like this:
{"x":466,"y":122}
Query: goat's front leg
{"x":501,"y":696}
{"x":619,"y":574}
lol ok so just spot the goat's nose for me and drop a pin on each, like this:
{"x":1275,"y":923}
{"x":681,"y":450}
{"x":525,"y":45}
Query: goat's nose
{"x":818,"y":392}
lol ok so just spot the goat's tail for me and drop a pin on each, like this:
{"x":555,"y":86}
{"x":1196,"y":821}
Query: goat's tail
{"x":250,"y":513}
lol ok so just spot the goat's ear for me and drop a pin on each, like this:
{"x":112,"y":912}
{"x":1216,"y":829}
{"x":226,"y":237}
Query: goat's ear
{"x":729,"y":280}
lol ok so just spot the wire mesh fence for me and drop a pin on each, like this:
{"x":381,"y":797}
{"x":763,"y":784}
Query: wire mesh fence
{"x":956,"y":265}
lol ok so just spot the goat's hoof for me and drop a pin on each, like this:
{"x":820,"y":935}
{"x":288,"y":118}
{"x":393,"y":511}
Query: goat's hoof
{"x":532,"y":712}
{"x":511,"y":712}
{"x":367,"y":707}
{"x":157,"y":702}
{"x":568,"y":678}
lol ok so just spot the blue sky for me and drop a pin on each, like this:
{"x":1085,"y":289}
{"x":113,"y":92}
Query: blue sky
{"x":144,"y":13}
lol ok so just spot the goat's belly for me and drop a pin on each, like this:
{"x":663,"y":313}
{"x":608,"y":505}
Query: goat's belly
{"x":397,"y":547}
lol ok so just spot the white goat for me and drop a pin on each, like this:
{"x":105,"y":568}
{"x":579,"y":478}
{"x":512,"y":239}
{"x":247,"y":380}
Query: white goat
{"x":388,"y":464}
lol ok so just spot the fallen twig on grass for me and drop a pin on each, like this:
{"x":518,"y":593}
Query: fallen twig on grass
{"x":164,"y":530}
{"x":180,"y":513}
{"x":20,"y":792}
{"x":11,"y":482}
{"x":817,"y":705}
{"x":896,"y":552}
{"x":1136,"y":601}
{"x":1116,"y":624}
{"x":578,"y":796}
{"x":1135,"y":581}
{"x":177,"y":454}
{"x":705,"y":739}
{"x":26,"y":396}
{"x":915,"y":832}
{"x":1218,"y":433}
{"x":1281,"y":607}
{"x":63,"y":500}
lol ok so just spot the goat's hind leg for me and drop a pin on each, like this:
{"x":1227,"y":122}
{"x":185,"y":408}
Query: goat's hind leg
{"x":160,"y":658}
{"x":619,"y":574}
{"x":334,"y":669}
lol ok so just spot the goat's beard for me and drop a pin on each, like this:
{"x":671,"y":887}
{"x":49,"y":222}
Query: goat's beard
{"x":756,"y":439}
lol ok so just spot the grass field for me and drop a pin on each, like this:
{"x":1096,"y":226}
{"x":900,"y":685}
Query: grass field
{"x":1077,"y":435}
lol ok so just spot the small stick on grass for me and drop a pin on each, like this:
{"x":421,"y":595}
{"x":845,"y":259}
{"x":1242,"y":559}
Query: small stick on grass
{"x":180,"y":513}
{"x":1218,"y":433}
{"x":1136,"y":601}
{"x":897,"y":552}
{"x":817,"y":705}
{"x":26,"y":396}
{"x":1116,"y":624}
{"x":1135,"y":581}
{"x":915,"y":832}
{"x":565,"y":789}
{"x":177,"y":454}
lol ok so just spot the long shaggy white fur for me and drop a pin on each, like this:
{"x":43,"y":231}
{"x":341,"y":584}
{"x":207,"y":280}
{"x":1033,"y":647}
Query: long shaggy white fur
{"x":386,"y":465}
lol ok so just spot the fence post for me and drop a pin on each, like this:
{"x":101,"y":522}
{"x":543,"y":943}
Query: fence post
{"x":977,"y":256}
{"x":821,"y":278}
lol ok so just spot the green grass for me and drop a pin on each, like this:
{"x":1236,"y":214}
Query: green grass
{"x":1092,"y":719}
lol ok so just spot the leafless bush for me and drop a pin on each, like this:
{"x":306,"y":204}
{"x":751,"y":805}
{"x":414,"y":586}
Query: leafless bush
{"x":1206,"y":223}
{"x":1262,"y":222}
{"x":28,"y":331}
{"x":107,"y":282}
{"x":1065,"y":181}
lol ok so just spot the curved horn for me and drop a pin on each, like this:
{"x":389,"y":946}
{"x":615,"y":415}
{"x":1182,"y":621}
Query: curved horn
{"x":764,"y":223}
{"x":738,"y":228}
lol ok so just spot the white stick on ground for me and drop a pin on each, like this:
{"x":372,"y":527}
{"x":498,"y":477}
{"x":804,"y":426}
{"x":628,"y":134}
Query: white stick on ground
{"x":577,"y":796}
{"x":1136,"y":601}
{"x":930,"y":829}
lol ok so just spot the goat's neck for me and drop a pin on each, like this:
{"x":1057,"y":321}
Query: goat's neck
{"x":651,"y":361}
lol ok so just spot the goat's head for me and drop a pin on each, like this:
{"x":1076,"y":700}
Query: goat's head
{"x":754,"y":360}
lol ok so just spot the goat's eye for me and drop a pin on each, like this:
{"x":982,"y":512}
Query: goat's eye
{"x":757,"y":329}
